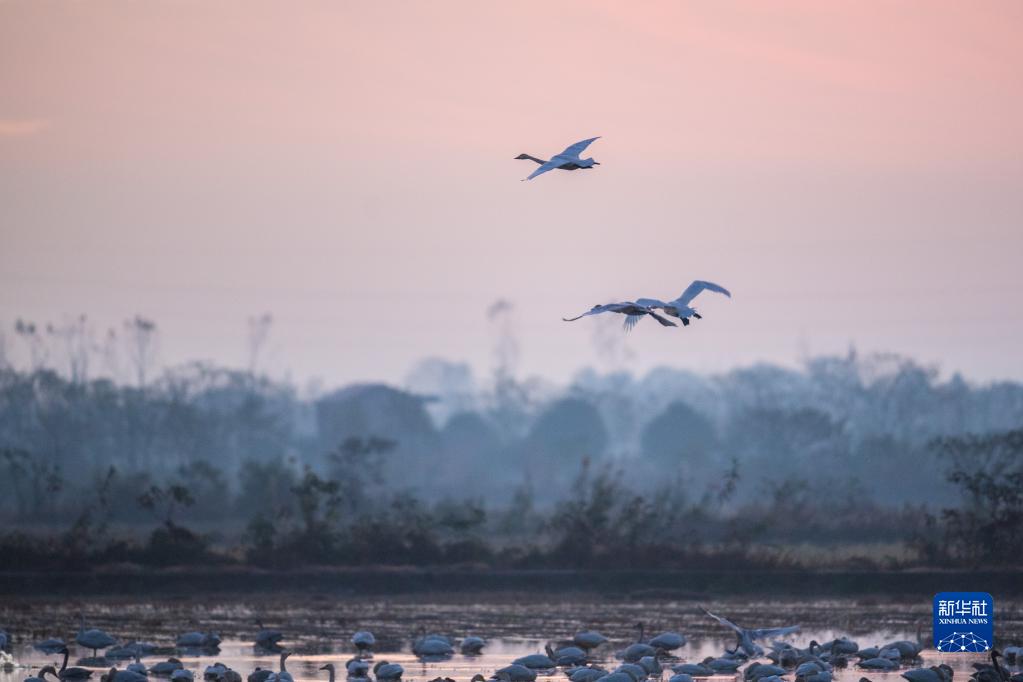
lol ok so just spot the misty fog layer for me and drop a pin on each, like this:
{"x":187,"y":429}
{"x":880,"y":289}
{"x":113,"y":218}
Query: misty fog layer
{"x":875,"y":451}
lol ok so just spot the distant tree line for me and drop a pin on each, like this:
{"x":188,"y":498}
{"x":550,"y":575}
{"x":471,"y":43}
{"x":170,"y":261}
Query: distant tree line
{"x":231,"y":466}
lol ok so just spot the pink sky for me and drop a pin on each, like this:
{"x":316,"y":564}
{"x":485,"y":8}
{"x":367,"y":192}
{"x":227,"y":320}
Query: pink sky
{"x":852,"y":171}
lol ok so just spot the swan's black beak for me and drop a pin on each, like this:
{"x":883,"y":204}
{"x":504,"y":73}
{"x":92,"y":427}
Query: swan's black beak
{"x":596,"y":163}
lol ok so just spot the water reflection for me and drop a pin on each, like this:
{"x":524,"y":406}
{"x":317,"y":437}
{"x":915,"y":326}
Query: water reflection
{"x":242,"y":657}
{"x":317,"y":630}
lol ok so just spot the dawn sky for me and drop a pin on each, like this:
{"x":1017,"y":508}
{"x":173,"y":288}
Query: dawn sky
{"x":852,"y":171}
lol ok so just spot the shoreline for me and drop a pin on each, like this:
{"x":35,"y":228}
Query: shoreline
{"x":674,"y":584}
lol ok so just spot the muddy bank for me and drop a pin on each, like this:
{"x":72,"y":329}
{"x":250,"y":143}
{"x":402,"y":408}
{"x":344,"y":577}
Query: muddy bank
{"x":389,"y":581}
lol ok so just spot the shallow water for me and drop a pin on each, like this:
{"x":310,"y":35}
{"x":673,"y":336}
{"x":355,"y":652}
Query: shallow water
{"x":318,"y":629}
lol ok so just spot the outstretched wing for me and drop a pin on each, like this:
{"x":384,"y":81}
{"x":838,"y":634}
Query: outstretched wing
{"x":723,"y":621}
{"x":760,"y":633}
{"x":595,"y":310}
{"x":699,"y":285}
{"x":550,"y":165}
{"x":663,"y":320}
{"x":651,"y":302}
{"x":578,"y":148}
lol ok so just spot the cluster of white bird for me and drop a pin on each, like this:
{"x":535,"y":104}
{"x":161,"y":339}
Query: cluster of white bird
{"x":633,"y":310}
{"x":641,"y":660}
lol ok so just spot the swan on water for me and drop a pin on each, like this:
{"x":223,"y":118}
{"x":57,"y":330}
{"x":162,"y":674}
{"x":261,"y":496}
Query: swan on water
{"x":516,"y":673}
{"x":364,"y":640}
{"x":535,"y":662}
{"x":569,"y":655}
{"x":357,"y":668}
{"x":587,"y":674}
{"x":165,"y":668}
{"x":43,"y":672}
{"x":74,"y":673}
{"x":936,"y":673}
{"x":329,"y":667}
{"x":668,"y":641}
{"x":588,"y":639}
{"x":723,"y":665}
{"x":651,"y":665}
{"x":198,"y":640}
{"x":388,"y":671}
{"x":281,"y":675}
{"x":633,"y":670}
{"x":432,"y":646}
{"x":93,"y":638}
{"x":268,"y":639}
{"x":754,"y":671}
{"x":472,"y":646}
{"x":566,"y":160}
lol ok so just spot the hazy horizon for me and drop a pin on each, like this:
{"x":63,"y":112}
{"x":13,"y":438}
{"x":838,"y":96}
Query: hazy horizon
{"x":852,"y":173}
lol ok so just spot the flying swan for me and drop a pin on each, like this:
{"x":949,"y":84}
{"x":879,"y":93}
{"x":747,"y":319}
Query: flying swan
{"x":566,"y":160}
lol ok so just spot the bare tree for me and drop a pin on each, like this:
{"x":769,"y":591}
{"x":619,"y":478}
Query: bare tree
{"x":259,"y":331}
{"x":75,"y":336}
{"x":108,"y":353}
{"x":37,"y":349}
{"x":141,"y":343}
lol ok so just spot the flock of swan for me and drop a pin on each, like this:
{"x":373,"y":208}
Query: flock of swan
{"x":645,"y":660}
{"x":634,"y":311}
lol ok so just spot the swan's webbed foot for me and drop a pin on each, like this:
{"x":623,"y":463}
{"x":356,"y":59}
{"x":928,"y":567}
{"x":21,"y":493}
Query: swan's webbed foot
{"x":698,"y":316}
{"x":685,"y":321}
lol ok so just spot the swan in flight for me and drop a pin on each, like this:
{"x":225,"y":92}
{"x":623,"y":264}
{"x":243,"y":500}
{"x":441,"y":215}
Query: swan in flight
{"x":680,"y":306}
{"x":744,"y":637}
{"x":566,"y":160}
{"x":632,"y":311}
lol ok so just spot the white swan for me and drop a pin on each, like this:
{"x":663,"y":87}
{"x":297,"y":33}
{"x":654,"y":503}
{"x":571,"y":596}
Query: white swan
{"x":93,"y":638}
{"x":281,"y":675}
{"x":364,"y":640}
{"x":632,"y":311}
{"x":744,"y":637}
{"x":566,"y":160}
{"x":588,"y":639}
{"x":680,"y":307}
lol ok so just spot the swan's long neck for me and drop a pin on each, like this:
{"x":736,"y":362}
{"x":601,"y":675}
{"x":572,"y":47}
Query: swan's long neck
{"x":63,"y":666}
{"x":283,"y":659}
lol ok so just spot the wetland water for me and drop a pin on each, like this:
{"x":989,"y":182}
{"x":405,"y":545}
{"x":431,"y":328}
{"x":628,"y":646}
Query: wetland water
{"x":317,"y":629}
